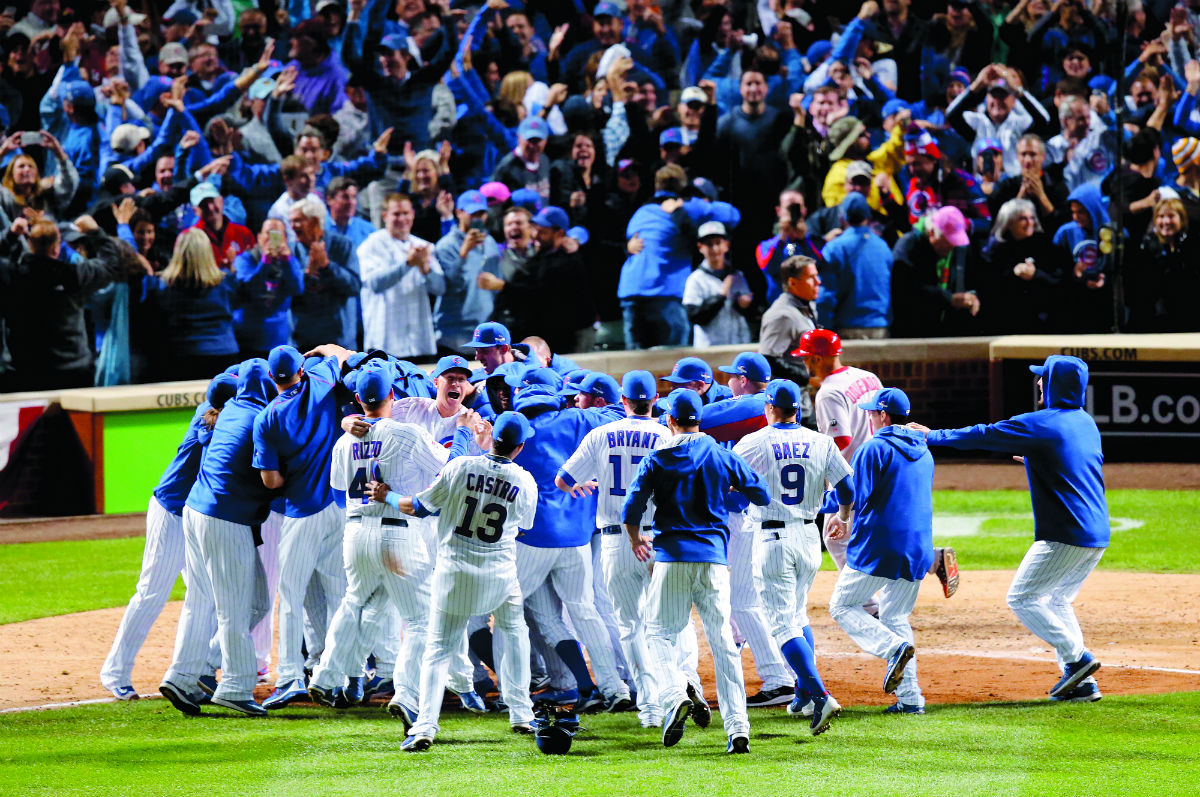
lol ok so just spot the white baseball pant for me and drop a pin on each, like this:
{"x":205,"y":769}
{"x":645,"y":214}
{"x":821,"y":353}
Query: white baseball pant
{"x":263,"y":632}
{"x":162,"y":562}
{"x":882,"y":637}
{"x":307,"y":545}
{"x":627,"y":579}
{"x":604,"y":607}
{"x":1043,"y":593}
{"x":747,"y":610}
{"x":837,"y":552}
{"x":786,"y":561}
{"x":197,"y":619}
{"x":372,"y":553}
{"x":674,"y":588}
{"x":570,"y":571}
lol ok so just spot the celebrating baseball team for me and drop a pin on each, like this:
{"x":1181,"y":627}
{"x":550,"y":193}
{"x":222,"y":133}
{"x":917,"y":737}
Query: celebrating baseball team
{"x":476,"y":530}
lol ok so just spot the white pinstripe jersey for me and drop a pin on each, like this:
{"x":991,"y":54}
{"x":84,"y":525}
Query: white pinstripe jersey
{"x":483,"y":502}
{"x":795,"y":463}
{"x":402,"y":455}
{"x":835,"y":405}
{"x":610,"y":454}
{"x":424,"y":413}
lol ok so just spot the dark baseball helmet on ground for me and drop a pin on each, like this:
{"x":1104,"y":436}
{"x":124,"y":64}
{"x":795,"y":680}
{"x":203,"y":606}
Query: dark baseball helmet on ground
{"x":553,"y":740}
{"x":819,"y":342}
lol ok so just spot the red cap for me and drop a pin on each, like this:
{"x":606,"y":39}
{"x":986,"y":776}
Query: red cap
{"x":819,"y":342}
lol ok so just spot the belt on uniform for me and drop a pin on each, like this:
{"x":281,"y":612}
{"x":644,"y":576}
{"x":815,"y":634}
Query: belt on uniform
{"x":386,"y":521}
{"x":619,"y":529}
{"x":773,"y":524}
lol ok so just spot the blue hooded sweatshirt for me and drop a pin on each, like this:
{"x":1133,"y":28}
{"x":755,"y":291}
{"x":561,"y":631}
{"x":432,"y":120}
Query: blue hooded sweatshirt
{"x":561,"y":521}
{"x":1071,"y":236}
{"x":688,"y":480}
{"x":663,"y":265}
{"x":1063,"y":457}
{"x":893,"y":506}
{"x":856,"y":278}
{"x":229,"y":487}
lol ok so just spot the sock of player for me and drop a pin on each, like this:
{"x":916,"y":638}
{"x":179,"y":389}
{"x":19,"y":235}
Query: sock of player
{"x":808,"y":637}
{"x":480,"y":643}
{"x":572,"y":655}
{"x":800,"y":656}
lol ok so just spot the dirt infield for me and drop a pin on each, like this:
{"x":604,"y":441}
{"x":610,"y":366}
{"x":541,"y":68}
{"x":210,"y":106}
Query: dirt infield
{"x":970,"y":648}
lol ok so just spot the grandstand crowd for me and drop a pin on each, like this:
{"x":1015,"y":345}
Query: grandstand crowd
{"x":184,"y":187}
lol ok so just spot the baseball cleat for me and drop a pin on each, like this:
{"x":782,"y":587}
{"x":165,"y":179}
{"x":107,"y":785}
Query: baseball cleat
{"x":563,"y":697}
{"x":738,"y":743}
{"x":247,"y":707}
{"x":207,"y":684}
{"x":1086,"y":692}
{"x":591,"y":704}
{"x":405,"y":714}
{"x":896,"y":665}
{"x":264,"y":675}
{"x":124,"y":693}
{"x":945,"y":566}
{"x":800,"y":707}
{"x":523,"y":728}
{"x":904,"y":708}
{"x":354,"y":690}
{"x":283,"y":695}
{"x":1075,"y":672}
{"x":701,"y":713}
{"x":416,"y":744}
{"x":378,"y":686}
{"x":780,"y":696}
{"x":674,"y":723}
{"x":472,"y":702}
{"x":179,"y":698}
{"x":621,"y":703}
{"x":322,"y":695}
{"x":824,"y":714}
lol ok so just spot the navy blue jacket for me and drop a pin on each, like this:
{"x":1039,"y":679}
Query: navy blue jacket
{"x":1063,"y":457}
{"x":180,"y":475}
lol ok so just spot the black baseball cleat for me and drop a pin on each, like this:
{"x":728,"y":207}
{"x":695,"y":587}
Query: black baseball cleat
{"x":780,"y":696}
{"x":738,"y":744}
{"x":701,"y":713}
{"x":674,"y":723}
{"x":179,"y":698}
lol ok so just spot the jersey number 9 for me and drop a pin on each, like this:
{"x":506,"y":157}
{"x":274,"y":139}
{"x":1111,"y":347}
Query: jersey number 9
{"x":792,"y":480}
{"x":494,"y":517}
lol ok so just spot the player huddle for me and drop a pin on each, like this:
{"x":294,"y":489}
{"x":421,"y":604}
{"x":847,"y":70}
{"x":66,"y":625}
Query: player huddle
{"x":423,"y":537}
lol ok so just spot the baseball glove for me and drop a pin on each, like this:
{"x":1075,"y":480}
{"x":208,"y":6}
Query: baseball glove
{"x":945,"y":565}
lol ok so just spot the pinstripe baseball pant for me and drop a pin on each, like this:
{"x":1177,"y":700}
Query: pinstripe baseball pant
{"x":570,"y":571}
{"x":370,"y":582}
{"x":882,"y":637}
{"x":197,"y":619}
{"x":837,"y":552}
{"x":674,"y":587}
{"x":162,"y":562}
{"x":263,"y":632}
{"x":1043,"y":593}
{"x":604,"y":608}
{"x":747,"y":609}
{"x":307,"y":545}
{"x":786,"y":561}
{"x":627,"y":579}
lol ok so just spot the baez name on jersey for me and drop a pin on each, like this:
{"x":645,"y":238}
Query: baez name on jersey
{"x":632,"y":439}
{"x":490,"y":485}
{"x":790,"y":450}
{"x":367,"y":449}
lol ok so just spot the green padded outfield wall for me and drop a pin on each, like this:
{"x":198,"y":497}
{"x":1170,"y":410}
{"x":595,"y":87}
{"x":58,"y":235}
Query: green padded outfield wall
{"x":137,"y":448}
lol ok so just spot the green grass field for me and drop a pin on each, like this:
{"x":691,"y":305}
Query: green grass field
{"x":1126,"y":746}
{"x":103,"y":573}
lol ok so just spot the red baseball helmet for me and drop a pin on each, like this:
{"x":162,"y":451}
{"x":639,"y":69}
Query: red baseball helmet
{"x":819,"y":342}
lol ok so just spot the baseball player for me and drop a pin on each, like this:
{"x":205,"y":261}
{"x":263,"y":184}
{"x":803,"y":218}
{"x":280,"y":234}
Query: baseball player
{"x":558,"y":545}
{"x":162,"y":560}
{"x":842,"y":388}
{"x":386,"y":559}
{"x":891,"y":546}
{"x":226,"y":585}
{"x":695,"y":374}
{"x":295,"y":436}
{"x":610,"y":454}
{"x":482,"y":502}
{"x":492,"y":343}
{"x":1060,"y":447}
{"x":687,"y":479}
{"x":796,"y":463}
{"x":727,"y":422}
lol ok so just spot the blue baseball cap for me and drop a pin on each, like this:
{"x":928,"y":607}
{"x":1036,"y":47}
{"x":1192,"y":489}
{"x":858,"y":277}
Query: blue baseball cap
{"x":451,"y":362}
{"x":891,"y":400}
{"x":580,"y":234}
{"x":601,"y":385}
{"x":527,"y":198}
{"x":551,"y":217}
{"x":512,"y":428}
{"x":670,"y":136}
{"x":374,"y":382}
{"x":222,"y":388}
{"x":690,"y":369}
{"x":471,"y":202}
{"x":533,"y":127}
{"x":684,"y":405}
{"x":703,"y":187}
{"x":488,"y":334}
{"x":77,"y":92}
{"x":784,"y":394}
{"x":606,"y":10}
{"x":639,"y":385}
{"x":284,"y":362}
{"x":572,"y":380}
{"x":818,"y":51}
{"x":751,"y":365}
{"x":535,"y":376}
{"x":894,"y":106}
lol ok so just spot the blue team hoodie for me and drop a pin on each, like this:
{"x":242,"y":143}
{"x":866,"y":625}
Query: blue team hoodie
{"x":688,"y":479}
{"x":1071,"y":235}
{"x":893,"y":506}
{"x":177,"y":479}
{"x":663,"y":265}
{"x":561,"y":521}
{"x":1063,"y":457}
{"x":229,"y":487}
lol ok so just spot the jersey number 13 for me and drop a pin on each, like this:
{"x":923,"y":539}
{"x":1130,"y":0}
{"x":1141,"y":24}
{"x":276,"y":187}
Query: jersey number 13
{"x":494,"y":516}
